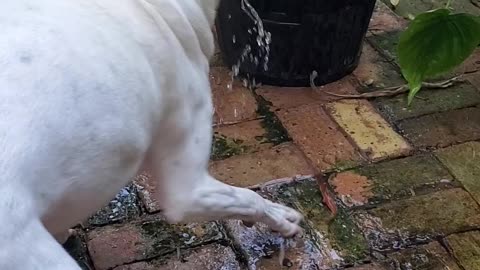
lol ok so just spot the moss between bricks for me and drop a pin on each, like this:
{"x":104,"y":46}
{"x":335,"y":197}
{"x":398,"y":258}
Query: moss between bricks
{"x":163,"y":238}
{"x":275,"y":132}
{"x":223,"y":147}
{"x":459,"y":96}
{"x":386,"y":43}
{"x":405,"y":177}
{"x":341,"y":231}
{"x":444,"y":212}
{"x":466,"y":248}
{"x":348,"y":237}
{"x":344,"y":165}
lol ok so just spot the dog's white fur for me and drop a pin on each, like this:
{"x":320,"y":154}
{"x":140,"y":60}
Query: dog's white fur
{"x":88,"y":91}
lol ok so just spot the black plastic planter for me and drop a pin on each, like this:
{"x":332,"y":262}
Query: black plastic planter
{"x":325,"y":36}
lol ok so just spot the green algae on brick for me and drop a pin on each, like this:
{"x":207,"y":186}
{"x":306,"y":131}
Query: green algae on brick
{"x":466,"y":249}
{"x":275,"y":132}
{"x":347,"y":238}
{"x":443,"y":129}
{"x":166,"y":238}
{"x":340,"y":230}
{"x":415,"y":220}
{"x":391,"y":180}
{"x":386,"y":43}
{"x":427,"y":257}
{"x":343,"y":165}
{"x":223,"y":147}
{"x":464,"y":163}
{"x":433,"y":100}
{"x":404,"y":177}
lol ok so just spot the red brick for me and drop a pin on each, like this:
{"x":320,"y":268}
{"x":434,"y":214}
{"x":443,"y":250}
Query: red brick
{"x":212,"y":257}
{"x":290,"y":97}
{"x":241,"y":138}
{"x":115,"y":245}
{"x":375,"y":72}
{"x":385,"y":20}
{"x":283,"y":161}
{"x":233,"y":103}
{"x":318,"y":137}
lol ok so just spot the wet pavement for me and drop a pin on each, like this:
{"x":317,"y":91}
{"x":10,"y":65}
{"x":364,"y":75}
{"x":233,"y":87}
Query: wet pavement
{"x":403,"y":182}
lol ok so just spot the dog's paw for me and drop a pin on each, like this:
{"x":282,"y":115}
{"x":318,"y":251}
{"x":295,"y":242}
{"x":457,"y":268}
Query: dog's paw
{"x":282,"y":219}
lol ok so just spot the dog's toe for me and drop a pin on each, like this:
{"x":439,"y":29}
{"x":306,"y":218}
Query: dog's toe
{"x":283,"y":219}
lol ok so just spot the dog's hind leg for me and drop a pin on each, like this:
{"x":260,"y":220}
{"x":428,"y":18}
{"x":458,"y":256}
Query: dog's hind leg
{"x":189,"y":193}
{"x":32,"y":247}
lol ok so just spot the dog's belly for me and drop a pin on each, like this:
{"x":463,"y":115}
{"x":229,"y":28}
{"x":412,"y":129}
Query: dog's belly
{"x":84,"y":98}
{"x":83,"y":199}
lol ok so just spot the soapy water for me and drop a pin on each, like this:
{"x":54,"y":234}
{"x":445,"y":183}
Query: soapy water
{"x":263,"y":40}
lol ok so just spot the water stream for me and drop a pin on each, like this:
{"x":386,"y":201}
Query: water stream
{"x":263,"y":39}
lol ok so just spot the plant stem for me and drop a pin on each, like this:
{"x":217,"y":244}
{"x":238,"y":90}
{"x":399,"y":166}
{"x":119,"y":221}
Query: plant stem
{"x":397,"y":90}
{"x":449,"y":2}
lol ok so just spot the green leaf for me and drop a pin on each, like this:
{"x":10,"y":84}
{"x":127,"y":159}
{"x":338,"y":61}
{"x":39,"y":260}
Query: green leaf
{"x":436,"y":42}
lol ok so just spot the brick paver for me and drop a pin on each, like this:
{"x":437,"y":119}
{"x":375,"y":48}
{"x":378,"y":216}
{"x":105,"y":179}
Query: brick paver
{"x":211,"y":257}
{"x":245,"y":137}
{"x":415,"y":220}
{"x":443,"y":129}
{"x":319,"y":137}
{"x":233,"y":103}
{"x":385,"y":20}
{"x":121,"y":244}
{"x":440,"y":100}
{"x":370,"y":132}
{"x":463,"y":161}
{"x":430,"y":256}
{"x":466,"y":248}
{"x":405,"y":180}
{"x":391,"y":180}
{"x":282,"y":161}
{"x":375,"y":72}
{"x":291,"y":97}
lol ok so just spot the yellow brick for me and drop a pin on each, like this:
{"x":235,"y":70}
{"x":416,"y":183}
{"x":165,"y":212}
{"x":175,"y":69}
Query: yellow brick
{"x":371,"y":133}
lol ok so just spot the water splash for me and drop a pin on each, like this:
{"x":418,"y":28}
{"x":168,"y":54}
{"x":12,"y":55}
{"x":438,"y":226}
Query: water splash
{"x":263,"y":41}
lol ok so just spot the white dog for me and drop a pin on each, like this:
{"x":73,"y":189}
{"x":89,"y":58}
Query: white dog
{"x":90,"y":89}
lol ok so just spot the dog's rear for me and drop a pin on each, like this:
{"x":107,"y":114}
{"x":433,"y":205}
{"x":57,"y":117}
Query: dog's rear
{"x":73,"y":126}
{"x":87,"y":89}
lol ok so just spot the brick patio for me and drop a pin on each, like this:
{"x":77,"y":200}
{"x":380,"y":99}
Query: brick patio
{"x":405,"y":181}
